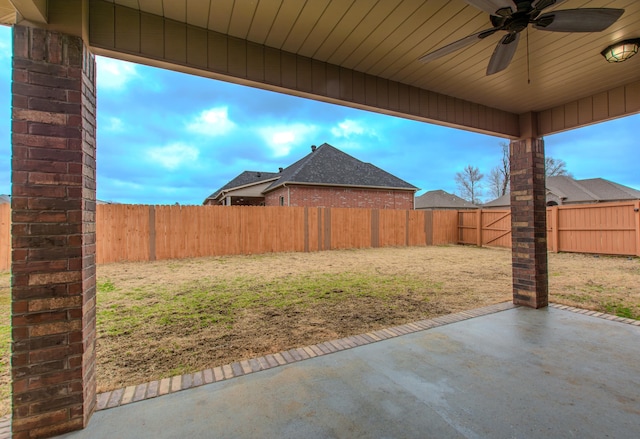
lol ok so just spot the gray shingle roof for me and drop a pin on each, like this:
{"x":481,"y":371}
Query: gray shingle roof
{"x":440,"y":199}
{"x":503,"y":201}
{"x":329,"y":166}
{"x":605,"y":190}
{"x":568,"y":191}
{"x":589,"y":190}
{"x":244,"y":179}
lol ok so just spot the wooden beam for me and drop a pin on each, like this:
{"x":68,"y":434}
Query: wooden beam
{"x":31,"y":10}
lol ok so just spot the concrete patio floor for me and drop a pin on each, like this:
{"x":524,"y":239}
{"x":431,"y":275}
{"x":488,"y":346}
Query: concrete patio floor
{"x":517,"y":373}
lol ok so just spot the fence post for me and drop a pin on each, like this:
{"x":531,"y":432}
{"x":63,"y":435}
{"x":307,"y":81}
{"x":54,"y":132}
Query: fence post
{"x":320,"y":239}
{"x":555,"y":233}
{"x":375,"y":228}
{"x":152,"y":233}
{"x":428,"y":226}
{"x":636,"y":210}
{"x":306,"y":229}
{"x":5,"y":236}
{"x":479,"y":227}
{"x":406,"y":230}
{"x":327,"y":228}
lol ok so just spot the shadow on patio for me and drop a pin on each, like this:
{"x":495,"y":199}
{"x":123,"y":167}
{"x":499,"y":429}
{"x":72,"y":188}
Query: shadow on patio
{"x":496,"y":372}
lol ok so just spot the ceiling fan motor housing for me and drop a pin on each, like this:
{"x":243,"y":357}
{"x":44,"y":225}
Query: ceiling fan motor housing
{"x":510,"y":21}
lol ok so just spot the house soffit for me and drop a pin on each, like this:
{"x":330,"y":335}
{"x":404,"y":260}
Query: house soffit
{"x":562,"y":76}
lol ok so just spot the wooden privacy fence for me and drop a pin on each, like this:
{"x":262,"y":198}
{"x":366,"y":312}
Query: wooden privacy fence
{"x":603,"y":228}
{"x":5,"y":236}
{"x":147,"y":233}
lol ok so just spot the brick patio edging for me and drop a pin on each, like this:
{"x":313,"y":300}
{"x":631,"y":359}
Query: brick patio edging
{"x":600,"y":315}
{"x":140,"y":392}
{"x":5,"y":427}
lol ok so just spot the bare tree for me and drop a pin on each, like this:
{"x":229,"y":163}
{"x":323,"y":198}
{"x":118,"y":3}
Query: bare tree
{"x":469,"y":183}
{"x":554,"y":167}
{"x":499,"y":175}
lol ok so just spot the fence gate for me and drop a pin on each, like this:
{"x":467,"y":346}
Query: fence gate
{"x":485,"y":227}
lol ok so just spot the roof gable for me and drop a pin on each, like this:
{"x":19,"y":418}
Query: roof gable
{"x":327,"y":165}
{"x":246,"y":178}
{"x":589,"y":190}
{"x":502,"y":201}
{"x":567,"y":190}
{"x":606,"y":190}
{"x":442,"y":199}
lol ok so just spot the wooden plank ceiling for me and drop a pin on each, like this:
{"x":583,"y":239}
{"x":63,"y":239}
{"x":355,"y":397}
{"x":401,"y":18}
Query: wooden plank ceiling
{"x":561,"y":76}
{"x":386,"y":38}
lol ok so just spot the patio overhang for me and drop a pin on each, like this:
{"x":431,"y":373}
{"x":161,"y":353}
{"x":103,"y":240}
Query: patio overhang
{"x":313,"y":50}
{"x":359,"y":54}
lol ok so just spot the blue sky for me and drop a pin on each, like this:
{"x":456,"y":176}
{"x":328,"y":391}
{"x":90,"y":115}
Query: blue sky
{"x":166,"y":137}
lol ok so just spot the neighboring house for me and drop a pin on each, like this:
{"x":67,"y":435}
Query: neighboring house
{"x":244,"y":190}
{"x":326,"y":177}
{"x":441,"y":200}
{"x":565,"y":190}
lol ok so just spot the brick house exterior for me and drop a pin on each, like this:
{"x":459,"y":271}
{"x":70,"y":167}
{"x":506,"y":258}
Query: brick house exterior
{"x":319,"y":196}
{"x":326,"y":177}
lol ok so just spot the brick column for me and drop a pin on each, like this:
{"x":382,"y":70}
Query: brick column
{"x":53,"y":233}
{"x":529,"y":223}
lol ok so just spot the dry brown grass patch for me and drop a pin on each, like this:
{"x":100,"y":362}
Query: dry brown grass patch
{"x":165,"y":318}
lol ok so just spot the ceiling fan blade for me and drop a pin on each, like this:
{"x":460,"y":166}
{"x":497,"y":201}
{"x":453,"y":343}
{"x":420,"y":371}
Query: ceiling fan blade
{"x":503,"y":53}
{"x":457,"y":45}
{"x":492,"y":6}
{"x":578,"y":20}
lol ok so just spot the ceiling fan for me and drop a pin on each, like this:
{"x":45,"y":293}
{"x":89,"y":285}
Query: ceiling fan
{"x":514,"y":16}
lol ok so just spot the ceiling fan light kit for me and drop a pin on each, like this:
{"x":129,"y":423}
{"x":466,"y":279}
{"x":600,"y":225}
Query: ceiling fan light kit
{"x":513,"y":17}
{"x":621,"y":51}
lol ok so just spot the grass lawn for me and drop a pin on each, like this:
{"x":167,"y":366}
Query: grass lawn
{"x":159,"y":319}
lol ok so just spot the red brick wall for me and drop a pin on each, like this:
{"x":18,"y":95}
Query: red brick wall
{"x":529,"y":223}
{"x":320,"y":196}
{"x":53,"y":233}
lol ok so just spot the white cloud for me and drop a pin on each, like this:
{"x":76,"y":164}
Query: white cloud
{"x":212,"y":122}
{"x":113,"y":124}
{"x":174,"y":155}
{"x":354,"y":134}
{"x":123,"y":184}
{"x":114,"y":74}
{"x":348,"y":128}
{"x":281,"y":139}
{"x":5,"y":49}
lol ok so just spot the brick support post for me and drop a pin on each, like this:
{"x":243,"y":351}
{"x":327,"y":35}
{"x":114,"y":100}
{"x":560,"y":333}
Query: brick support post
{"x":53,"y":233}
{"x":529,"y":223}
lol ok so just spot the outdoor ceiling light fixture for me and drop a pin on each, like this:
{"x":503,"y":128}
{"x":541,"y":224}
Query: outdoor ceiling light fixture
{"x":621,"y":51}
